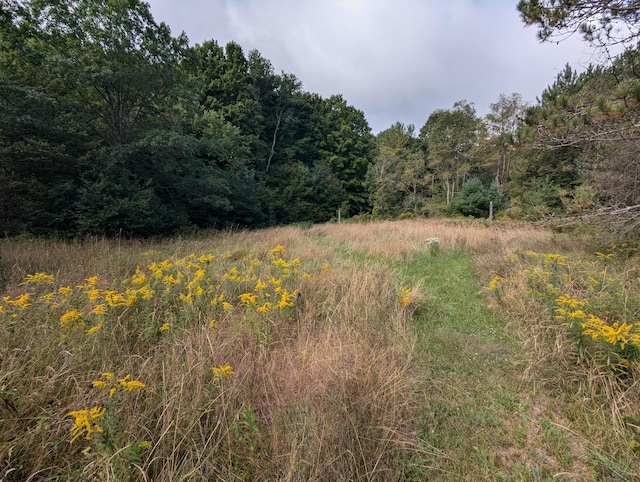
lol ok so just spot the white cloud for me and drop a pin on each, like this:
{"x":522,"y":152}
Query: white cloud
{"x":397,"y":60}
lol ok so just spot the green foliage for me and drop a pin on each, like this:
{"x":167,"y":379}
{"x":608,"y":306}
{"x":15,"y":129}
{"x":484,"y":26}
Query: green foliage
{"x":601,"y":24}
{"x":475,"y":199}
{"x":398,"y":180}
{"x":448,"y":138}
{"x":110,"y":124}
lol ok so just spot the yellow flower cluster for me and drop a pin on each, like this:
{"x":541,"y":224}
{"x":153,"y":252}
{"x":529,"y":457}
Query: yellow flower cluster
{"x":195,"y":282}
{"x":589,"y":295}
{"x":222,"y":371}
{"x":496,"y":282}
{"x":405,"y":300}
{"x":38,"y":279}
{"x":108,"y":381}
{"x":85,"y":422}
{"x":621,"y":334}
{"x":21,"y":302}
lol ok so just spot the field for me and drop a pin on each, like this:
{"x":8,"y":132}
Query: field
{"x":332,"y":352}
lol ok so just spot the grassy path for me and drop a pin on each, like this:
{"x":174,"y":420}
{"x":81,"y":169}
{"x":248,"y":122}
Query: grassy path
{"x":476,"y":414}
{"x":473,"y":373}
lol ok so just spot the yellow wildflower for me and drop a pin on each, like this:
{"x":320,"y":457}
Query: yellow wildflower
{"x":561,"y":312}
{"x":306,"y":276}
{"x":165,"y":327}
{"x":146,"y":293}
{"x":99,"y":384}
{"x":260,"y":285}
{"x":94,"y":329}
{"x":206,"y":258}
{"x":171,"y":280}
{"x":274,"y":281}
{"x":46,"y":298}
{"x":222,"y":371}
{"x":227,"y":306}
{"x":188,"y":298}
{"x":553,"y":258}
{"x":92,"y":281}
{"x":280,"y":263}
{"x":248,"y":299}
{"x":85,"y":422}
{"x":113,"y":298}
{"x":604,"y":256}
{"x":70,"y":317}
{"x":139,"y":278}
{"x":326,"y":268}
{"x":264,"y":308}
{"x":93,"y":294}
{"x":570,"y":302}
{"x":496,"y":282}
{"x":38,"y":279}
{"x":65,"y":290}
{"x":130,"y":385}
{"x":278,"y":249}
{"x":286,"y":299}
{"x":21,"y":301}
{"x":212,"y":323}
{"x":406,"y":299}
{"x":99,"y":310}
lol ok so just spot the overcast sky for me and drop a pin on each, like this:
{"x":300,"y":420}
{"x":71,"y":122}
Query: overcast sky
{"x":396,"y":60}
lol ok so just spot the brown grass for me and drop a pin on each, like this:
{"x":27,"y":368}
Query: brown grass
{"x":325,"y":395}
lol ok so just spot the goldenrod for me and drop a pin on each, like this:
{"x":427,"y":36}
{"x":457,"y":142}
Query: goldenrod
{"x":65,"y":290}
{"x":99,"y":310}
{"x":278,"y":249}
{"x":38,"y":279}
{"x":248,"y":299}
{"x":94,"y":329}
{"x":85,"y":422}
{"x":570,"y":302}
{"x":71,"y":317}
{"x":222,"y":371}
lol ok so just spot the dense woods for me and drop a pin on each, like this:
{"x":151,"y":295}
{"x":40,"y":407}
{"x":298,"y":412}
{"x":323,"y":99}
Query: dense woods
{"x":110,"y":123}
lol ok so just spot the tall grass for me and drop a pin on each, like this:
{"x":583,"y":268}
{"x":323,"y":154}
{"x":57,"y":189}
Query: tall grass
{"x":380,"y":364}
{"x":325,"y":391}
{"x":567,"y":298}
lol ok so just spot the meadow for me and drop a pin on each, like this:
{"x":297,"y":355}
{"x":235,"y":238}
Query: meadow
{"x":332,"y":352}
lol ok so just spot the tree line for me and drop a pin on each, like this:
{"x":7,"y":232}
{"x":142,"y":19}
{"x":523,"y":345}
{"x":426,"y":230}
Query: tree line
{"x":109,"y":123}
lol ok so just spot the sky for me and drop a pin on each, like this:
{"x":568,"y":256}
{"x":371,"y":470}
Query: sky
{"x":395,"y":60}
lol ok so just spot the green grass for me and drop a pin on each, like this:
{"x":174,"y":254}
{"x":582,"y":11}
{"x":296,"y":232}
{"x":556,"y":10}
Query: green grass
{"x":476,"y":411}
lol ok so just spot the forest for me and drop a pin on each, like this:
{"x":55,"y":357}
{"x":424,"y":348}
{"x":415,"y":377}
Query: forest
{"x":111,"y":124}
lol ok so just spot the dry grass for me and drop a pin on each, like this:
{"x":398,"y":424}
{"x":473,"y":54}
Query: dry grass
{"x":400,"y":240}
{"x":326,"y":394}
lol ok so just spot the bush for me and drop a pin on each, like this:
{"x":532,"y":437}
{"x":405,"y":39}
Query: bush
{"x":475,"y":198}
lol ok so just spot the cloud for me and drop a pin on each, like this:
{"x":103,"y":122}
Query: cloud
{"x":397,"y":60}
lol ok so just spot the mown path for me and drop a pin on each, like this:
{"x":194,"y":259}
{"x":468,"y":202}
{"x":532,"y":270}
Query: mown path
{"x":478,"y":414}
